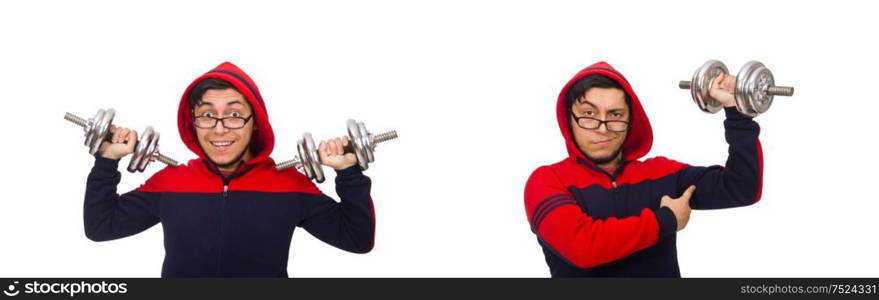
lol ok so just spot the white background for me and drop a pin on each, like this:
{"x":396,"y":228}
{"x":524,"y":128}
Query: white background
{"x":471,"y":87}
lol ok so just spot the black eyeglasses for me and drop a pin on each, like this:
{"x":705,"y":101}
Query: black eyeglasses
{"x":205,"y":122}
{"x":593,"y":123}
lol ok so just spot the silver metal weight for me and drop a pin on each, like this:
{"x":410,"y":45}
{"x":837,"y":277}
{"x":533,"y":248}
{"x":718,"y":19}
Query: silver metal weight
{"x":360,"y":142}
{"x":755,"y":87}
{"x":97,"y":130}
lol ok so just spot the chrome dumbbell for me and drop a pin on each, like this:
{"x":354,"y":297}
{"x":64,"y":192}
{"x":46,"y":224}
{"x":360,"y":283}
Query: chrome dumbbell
{"x":360,"y":142}
{"x":755,"y":87}
{"x":97,"y":130}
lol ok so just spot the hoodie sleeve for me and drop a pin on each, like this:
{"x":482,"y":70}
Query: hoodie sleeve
{"x":739,"y":183}
{"x":348,"y":225}
{"x":108,"y":215}
{"x":580,"y":239}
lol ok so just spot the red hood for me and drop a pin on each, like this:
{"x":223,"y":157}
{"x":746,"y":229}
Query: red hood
{"x":263,"y":140}
{"x":640,"y":136}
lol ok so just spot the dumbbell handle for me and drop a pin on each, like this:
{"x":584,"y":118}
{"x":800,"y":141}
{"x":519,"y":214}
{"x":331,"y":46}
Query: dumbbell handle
{"x":293,"y":163}
{"x":85,"y":124}
{"x":376,"y":139}
{"x":772,"y":90}
{"x":165,"y":160}
{"x":383,"y":137}
{"x":76,"y":120}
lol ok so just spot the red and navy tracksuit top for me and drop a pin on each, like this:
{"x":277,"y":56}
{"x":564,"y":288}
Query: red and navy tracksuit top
{"x":230,"y":225}
{"x":591,"y":223}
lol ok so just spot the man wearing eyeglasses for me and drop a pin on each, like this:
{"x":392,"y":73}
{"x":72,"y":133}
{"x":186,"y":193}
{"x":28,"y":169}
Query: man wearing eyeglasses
{"x":603,"y":212}
{"x":229,"y":213}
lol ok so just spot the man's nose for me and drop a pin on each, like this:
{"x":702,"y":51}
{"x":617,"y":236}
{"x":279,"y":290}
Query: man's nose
{"x":221,"y":127}
{"x":602,"y":128}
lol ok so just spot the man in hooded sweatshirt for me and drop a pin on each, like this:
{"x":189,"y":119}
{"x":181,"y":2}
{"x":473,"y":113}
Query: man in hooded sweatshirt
{"x":228,"y":213}
{"x":603,"y":212}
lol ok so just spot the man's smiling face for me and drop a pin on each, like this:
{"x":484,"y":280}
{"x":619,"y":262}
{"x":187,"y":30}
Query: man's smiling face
{"x":225,"y":146}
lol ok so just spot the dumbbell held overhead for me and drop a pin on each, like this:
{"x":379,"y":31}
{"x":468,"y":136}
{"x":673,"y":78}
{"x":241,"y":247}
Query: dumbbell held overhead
{"x":754,"y":91}
{"x":97,"y":130}
{"x":360,"y":142}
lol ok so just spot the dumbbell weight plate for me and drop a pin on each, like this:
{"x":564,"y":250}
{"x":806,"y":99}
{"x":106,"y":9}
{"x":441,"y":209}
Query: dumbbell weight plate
{"x":310,"y":158}
{"x":305,"y":155}
{"x":368,"y":144}
{"x":98,"y":129}
{"x":752,"y":84}
{"x":146,"y":147}
{"x":701,"y":83}
{"x":355,"y":137}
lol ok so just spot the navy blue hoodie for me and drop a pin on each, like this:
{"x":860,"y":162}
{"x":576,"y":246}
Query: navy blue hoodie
{"x":229,"y":225}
